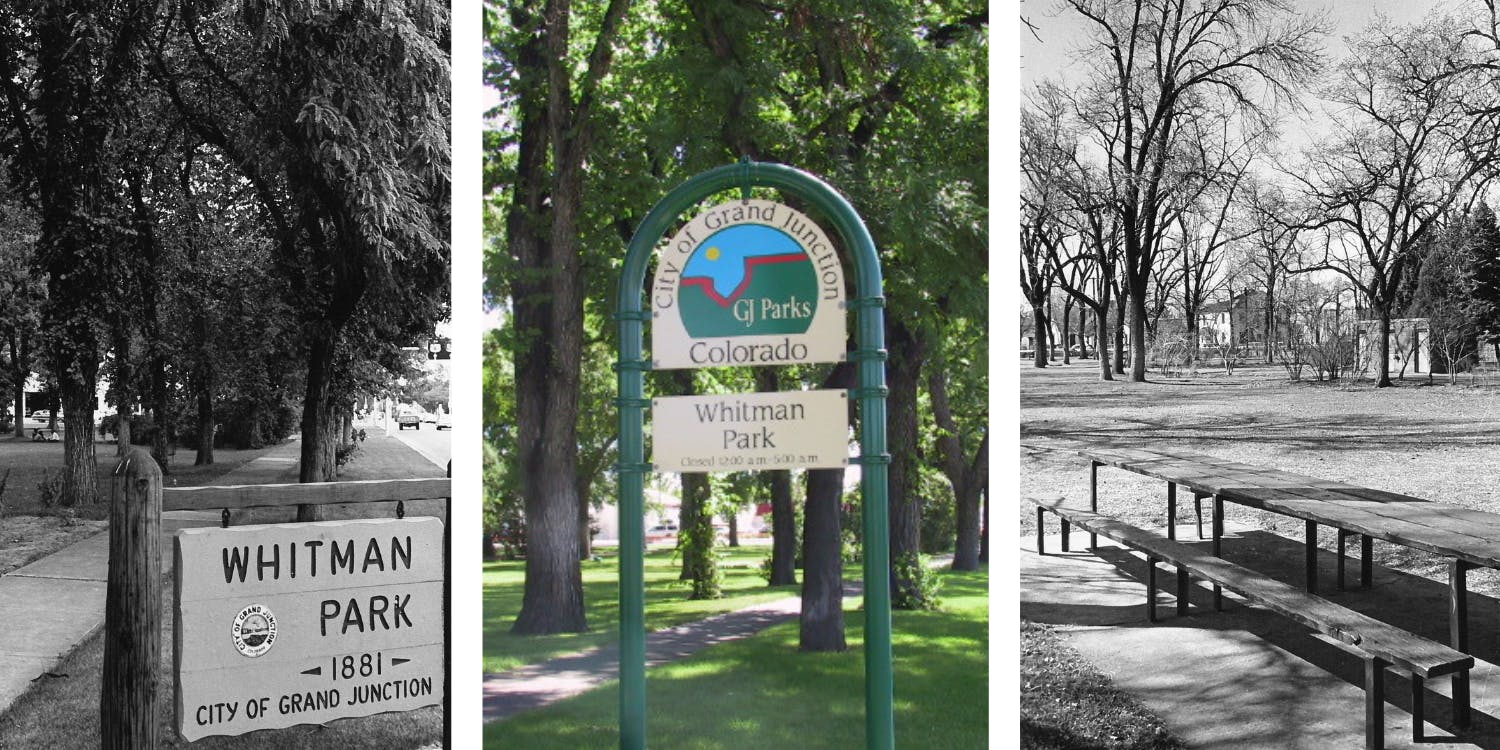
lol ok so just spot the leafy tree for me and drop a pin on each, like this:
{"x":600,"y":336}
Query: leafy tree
{"x":556,"y":120}
{"x":21,"y":295}
{"x":1486,"y":275}
{"x":337,"y":114}
{"x":1446,"y":297}
{"x":69,"y":74}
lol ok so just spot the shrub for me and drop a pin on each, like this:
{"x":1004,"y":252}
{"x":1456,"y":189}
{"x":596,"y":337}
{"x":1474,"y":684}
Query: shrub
{"x":917,"y":586}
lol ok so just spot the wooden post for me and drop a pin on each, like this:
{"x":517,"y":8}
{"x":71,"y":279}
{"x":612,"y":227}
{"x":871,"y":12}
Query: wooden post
{"x":1311,"y":562}
{"x":1217,"y":525}
{"x":1342,"y":535}
{"x":1417,"y":711}
{"x":1150,"y":589}
{"x":1093,"y":498}
{"x":1183,"y":583}
{"x":1458,"y":630}
{"x":132,"y":610}
{"x":1198,"y":511}
{"x":1171,"y":510}
{"x":1041,"y":531}
{"x":1374,"y":703}
{"x":1366,"y":567}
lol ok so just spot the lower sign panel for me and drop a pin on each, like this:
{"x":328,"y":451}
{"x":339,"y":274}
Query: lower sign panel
{"x":275,"y":696}
{"x":306,"y":623}
{"x":750,"y":431}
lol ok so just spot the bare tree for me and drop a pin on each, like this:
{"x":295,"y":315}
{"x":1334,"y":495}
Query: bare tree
{"x":1153,"y":63}
{"x":1045,"y":152}
{"x":1269,"y":247}
{"x":1412,"y":136}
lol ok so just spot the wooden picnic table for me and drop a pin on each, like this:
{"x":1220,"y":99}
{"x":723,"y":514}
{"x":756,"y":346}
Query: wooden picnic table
{"x":1468,"y":538}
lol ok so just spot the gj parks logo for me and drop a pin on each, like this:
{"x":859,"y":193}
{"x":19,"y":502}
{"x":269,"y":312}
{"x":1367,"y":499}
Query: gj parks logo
{"x":254,"y":630}
{"x":747,"y":279}
{"x":747,"y":282}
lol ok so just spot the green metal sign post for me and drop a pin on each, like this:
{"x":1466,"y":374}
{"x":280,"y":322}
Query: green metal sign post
{"x":870,"y":356}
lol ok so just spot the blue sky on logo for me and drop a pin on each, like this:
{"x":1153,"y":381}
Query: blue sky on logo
{"x":722,"y":256}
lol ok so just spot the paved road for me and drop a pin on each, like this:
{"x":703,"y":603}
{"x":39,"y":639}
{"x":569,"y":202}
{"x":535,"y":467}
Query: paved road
{"x":435,"y":445}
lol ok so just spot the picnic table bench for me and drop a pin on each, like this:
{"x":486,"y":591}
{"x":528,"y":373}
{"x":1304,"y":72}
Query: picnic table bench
{"x":1468,"y":538}
{"x":1381,"y":645}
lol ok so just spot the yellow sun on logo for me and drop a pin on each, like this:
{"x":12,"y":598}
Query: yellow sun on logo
{"x":713,"y":253}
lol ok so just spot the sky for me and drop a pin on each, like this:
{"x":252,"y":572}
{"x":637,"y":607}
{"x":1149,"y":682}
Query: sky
{"x":1049,"y":52}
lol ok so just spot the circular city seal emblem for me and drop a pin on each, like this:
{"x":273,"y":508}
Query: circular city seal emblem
{"x":254,"y":630}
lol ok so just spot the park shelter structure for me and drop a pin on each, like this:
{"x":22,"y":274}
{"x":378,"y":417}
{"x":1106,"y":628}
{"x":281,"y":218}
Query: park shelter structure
{"x":1409,"y":347}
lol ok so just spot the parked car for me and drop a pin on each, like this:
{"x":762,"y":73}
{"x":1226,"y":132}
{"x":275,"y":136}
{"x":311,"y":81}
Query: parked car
{"x":408,"y":419}
{"x":661,"y":533}
{"x":445,"y":421}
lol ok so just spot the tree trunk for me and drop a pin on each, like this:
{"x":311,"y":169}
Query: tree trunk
{"x":783,"y":529}
{"x":124,"y":379}
{"x":783,"y":512}
{"x":1138,"y":334}
{"x":547,"y":295}
{"x":1083,"y":340}
{"x":317,"y":458}
{"x":81,"y":477}
{"x":732,"y":520}
{"x":19,"y":358}
{"x":984,"y":531}
{"x":1120,"y":306}
{"x":206,"y":424}
{"x":161,"y":440}
{"x":695,"y":536}
{"x":965,"y":478}
{"x":908,"y":353}
{"x":1067,"y":331}
{"x":1101,"y":334}
{"x":1039,"y":335}
{"x":1269,"y":316}
{"x":552,"y":601}
{"x":1051,"y":337}
{"x":585,"y":523}
{"x":822,"y":619}
{"x":1383,"y":348}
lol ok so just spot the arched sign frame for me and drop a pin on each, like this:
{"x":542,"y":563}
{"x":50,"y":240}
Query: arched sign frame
{"x":869,"y":354}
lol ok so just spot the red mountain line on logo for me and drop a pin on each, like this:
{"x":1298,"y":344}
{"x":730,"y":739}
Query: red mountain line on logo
{"x":750,"y":264}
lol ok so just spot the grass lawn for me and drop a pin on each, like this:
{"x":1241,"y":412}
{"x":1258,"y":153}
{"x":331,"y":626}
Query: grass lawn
{"x":1066,"y":704}
{"x":1434,"y":442}
{"x":761,"y":692}
{"x":30,"y":530}
{"x":666,"y":602}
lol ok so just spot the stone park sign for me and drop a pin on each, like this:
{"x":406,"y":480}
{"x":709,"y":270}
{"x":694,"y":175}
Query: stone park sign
{"x":303,"y":623}
{"x":748,"y":282}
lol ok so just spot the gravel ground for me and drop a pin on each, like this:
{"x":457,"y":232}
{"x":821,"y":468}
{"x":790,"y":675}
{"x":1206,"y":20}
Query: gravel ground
{"x":1439,"y":442}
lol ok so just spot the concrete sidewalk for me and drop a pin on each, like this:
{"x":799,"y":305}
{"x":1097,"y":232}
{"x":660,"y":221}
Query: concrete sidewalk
{"x":51,"y":606}
{"x":537,"y":685}
{"x":1247,"y":677}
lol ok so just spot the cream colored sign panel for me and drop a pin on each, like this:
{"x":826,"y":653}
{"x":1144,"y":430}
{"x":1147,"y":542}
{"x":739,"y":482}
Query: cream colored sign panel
{"x":304,"y":623}
{"x":751,"y":431}
{"x":747,"y":282}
